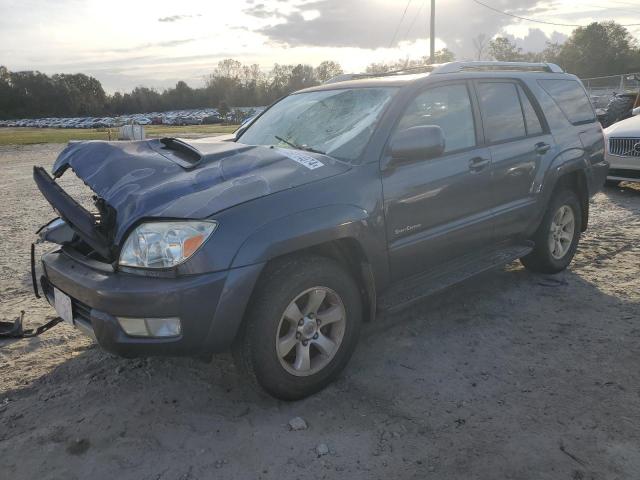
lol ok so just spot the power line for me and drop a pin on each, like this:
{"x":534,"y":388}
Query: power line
{"x":540,"y":21}
{"x":413,"y":22}
{"x":399,"y":23}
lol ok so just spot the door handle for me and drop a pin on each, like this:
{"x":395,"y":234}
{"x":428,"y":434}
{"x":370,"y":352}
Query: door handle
{"x":477,"y":164}
{"x":542,"y":148}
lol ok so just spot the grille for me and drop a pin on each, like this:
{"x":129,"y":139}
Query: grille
{"x":625,"y":147}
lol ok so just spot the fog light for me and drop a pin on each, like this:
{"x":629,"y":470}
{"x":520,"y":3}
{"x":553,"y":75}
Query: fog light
{"x":150,"y":327}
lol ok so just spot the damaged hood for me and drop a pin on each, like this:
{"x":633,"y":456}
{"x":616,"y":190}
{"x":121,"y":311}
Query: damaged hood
{"x":187,"y":179}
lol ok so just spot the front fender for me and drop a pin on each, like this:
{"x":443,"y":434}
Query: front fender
{"x":303,"y":230}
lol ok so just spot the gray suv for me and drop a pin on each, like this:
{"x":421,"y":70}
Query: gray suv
{"x":359,"y":196}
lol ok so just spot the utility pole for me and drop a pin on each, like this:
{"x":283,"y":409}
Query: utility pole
{"x":432,"y":32}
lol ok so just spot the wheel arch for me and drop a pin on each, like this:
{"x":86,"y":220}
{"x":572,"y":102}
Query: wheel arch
{"x":576,"y":181}
{"x":339,"y":232}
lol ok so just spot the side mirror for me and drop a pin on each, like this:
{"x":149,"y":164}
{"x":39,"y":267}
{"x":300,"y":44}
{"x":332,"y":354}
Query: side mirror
{"x":417,"y":143}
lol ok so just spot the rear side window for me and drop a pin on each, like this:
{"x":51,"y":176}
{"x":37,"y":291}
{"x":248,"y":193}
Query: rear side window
{"x":530,"y":116}
{"x":571,"y":98}
{"x":501,"y":112}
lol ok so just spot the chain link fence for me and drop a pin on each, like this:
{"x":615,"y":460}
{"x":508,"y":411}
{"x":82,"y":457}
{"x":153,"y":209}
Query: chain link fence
{"x":601,"y":89}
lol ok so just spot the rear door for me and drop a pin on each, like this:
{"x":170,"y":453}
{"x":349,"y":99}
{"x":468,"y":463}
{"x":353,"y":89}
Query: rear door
{"x":439,"y":208}
{"x":518,"y":139}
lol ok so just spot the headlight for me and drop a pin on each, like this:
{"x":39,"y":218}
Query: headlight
{"x":164,"y":244}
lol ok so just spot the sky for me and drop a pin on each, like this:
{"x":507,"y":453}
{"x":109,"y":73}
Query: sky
{"x":155,"y":43}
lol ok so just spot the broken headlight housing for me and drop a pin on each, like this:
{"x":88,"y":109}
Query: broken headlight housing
{"x":164,"y":244}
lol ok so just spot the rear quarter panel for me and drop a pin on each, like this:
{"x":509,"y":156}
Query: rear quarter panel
{"x":577,"y":148}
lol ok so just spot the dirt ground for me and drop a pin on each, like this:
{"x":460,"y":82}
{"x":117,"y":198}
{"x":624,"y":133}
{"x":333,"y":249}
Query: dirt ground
{"x":511,"y":375}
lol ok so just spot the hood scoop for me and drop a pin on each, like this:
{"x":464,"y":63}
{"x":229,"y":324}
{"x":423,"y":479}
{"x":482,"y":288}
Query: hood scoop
{"x":188,"y":156}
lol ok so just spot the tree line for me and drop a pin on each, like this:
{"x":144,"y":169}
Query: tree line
{"x":598,"y":49}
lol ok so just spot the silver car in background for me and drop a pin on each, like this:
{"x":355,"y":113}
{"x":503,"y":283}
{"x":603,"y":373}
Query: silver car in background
{"x":623,"y":151}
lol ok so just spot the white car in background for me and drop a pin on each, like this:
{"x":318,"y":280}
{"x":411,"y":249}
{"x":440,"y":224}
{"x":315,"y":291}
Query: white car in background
{"x":622,"y":151}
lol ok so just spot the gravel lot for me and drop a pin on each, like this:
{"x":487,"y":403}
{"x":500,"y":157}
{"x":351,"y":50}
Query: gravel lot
{"x":511,"y":375}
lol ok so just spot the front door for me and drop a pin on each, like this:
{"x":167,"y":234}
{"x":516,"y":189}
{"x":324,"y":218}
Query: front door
{"x":440,"y":208}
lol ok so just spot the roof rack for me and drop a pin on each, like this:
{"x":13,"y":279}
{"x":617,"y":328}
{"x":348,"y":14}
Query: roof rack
{"x":454,"y":67}
{"x":405,"y":71}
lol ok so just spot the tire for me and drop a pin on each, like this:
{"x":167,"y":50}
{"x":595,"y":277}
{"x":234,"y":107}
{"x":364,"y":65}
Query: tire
{"x":543,"y":259}
{"x":272,"y":319}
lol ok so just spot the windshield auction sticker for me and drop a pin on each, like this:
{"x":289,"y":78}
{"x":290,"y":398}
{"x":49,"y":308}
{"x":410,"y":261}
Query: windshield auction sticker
{"x":304,"y":160}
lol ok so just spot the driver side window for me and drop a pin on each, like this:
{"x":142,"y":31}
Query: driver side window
{"x":449,"y":107}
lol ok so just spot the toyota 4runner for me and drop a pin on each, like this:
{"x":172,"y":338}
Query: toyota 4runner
{"x":358,"y":196}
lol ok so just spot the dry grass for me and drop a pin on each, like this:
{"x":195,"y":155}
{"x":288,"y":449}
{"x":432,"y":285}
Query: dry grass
{"x":27,"y":136}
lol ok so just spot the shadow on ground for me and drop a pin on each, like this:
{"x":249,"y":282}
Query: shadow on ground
{"x":511,"y":375}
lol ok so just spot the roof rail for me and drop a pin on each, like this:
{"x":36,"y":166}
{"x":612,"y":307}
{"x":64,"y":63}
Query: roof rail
{"x":455,"y":67}
{"x":405,"y":71}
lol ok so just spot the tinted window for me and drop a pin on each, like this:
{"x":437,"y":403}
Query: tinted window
{"x":571,"y":98}
{"x":501,"y":111}
{"x":448,"y":107}
{"x":530,"y":116}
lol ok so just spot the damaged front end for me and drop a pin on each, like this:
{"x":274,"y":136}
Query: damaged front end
{"x":90,"y":232}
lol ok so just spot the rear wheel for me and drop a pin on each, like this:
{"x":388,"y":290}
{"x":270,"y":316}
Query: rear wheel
{"x":556,"y":239}
{"x":301,"y":328}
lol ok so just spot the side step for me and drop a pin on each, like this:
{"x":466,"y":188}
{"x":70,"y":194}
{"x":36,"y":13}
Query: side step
{"x":405,"y":293}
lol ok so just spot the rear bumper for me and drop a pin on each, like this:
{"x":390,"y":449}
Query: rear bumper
{"x":210,"y":306}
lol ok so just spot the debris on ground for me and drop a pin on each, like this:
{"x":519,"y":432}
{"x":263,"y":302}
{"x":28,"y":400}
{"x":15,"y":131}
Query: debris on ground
{"x":297,"y":423}
{"x":322,"y":450}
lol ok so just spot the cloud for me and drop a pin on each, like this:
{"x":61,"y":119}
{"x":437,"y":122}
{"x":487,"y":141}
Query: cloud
{"x":261,"y":11}
{"x":177,"y":18}
{"x":536,"y":40}
{"x":163,"y":44}
{"x":370,"y":24}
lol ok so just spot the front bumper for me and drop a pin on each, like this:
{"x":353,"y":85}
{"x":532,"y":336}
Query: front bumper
{"x":210,"y":306}
{"x":623,"y":168}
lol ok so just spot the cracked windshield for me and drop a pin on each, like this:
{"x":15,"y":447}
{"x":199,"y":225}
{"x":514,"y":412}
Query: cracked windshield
{"x":338,"y":123}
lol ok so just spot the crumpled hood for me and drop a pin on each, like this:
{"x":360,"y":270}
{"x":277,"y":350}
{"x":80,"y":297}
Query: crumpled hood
{"x":145,"y":179}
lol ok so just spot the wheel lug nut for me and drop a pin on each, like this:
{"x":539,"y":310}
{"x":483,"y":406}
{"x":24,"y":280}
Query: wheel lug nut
{"x":318,"y":321}
{"x":300,"y":322}
{"x":298,"y":335}
{"x":304,"y":342}
{"x":315,"y":336}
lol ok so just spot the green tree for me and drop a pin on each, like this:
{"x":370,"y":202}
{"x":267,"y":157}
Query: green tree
{"x":504,"y":50}
{"x":223,"y":109}
{"x":605,"y":48}
{"x":443,"y":56}
{"x":440,"y":56}
{"x":328,"y":69}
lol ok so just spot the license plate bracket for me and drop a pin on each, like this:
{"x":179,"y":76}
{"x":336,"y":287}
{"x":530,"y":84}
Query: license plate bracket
{"x":62,"y":303}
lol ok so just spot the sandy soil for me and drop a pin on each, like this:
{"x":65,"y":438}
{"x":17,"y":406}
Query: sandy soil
{"x":511,"y":375}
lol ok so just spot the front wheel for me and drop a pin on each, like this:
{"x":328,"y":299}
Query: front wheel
{"x":301,"y":327}
{"x":556,"y":239}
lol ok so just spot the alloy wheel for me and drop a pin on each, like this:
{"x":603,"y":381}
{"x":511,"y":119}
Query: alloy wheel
{"x":310,"y":331}
{"x":561,"y":232}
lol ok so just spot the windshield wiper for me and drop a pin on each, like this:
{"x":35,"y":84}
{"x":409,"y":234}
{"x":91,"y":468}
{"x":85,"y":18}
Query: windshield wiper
{"x":299,"y":147}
